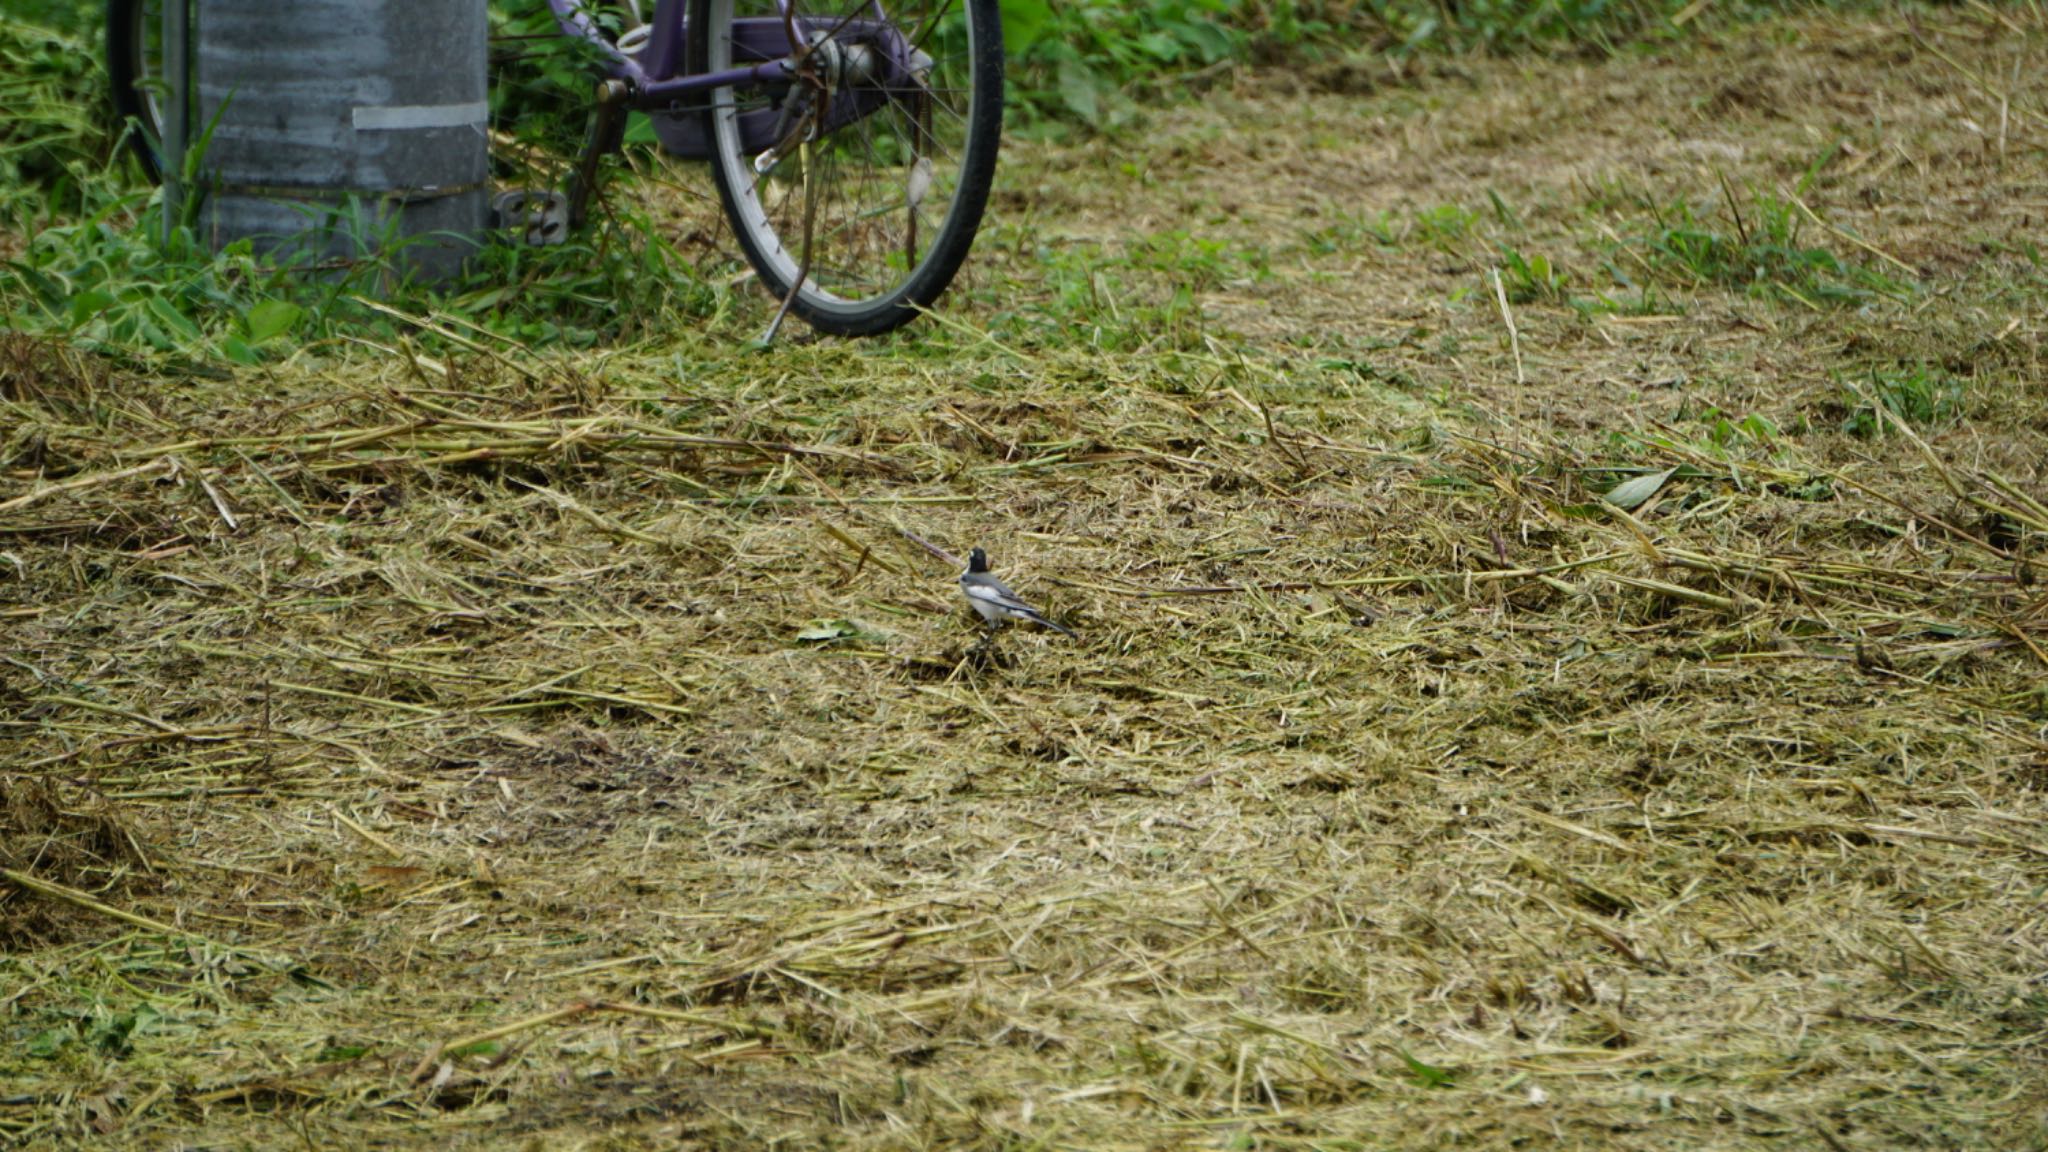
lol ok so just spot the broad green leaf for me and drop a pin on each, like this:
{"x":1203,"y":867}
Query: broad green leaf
{"x":174,"y":321}
{"x":1025,"y":22}
{"x":88,"y":304}
{"x":270,"y":319}
{"x":1079,"y":90}
{"x":48,"y":1042}
{"x":825,"y":631}
{"x":1211,"y":40}
{"x":1632,"y":494}
{"x":1160,"y":46}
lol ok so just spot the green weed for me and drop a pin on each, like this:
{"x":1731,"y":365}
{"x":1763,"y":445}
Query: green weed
{"x":53,"y":145}
{"x":1513,"y":24}
{"x":618,"y":279}
{"x":1089,"y":61}
{"x":1080,"y":58}
{"x":1383,"y":230}
{"x":1349,"y":230}
{"x":1201,"y":264}
{"x":540,"y":81}
{"x":1084,"y":60}
{"x":112,"y":283}
{"x":1915,"y":395}
{"x":1139,"y":296}
{"x":1646,"y":300}
{"x":1721,"y":433}
{"x":98,"y":269}
{"x":1442,"y":226}
{"x":106,"y":283}
{"x":1761,"y":249}
{"x":77,"y":19}
{"x":1530,"y":279}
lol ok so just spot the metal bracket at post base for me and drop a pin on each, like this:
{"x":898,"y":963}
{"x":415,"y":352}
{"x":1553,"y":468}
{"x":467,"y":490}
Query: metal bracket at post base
{"x":536,"y":219}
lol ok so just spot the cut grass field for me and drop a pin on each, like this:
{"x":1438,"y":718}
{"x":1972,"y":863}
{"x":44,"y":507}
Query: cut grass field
{"x":1561,"y":556}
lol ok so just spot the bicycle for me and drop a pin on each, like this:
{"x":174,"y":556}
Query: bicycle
{"x":853,"y":148}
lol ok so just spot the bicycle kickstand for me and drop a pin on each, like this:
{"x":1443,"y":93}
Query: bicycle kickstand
{"x":607,"y":135}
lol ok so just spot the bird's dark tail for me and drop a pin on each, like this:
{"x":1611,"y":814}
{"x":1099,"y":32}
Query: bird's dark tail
{"x":1049,"y":622}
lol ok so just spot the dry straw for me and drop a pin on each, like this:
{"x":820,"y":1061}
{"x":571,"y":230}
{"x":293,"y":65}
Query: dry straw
{"x":436,"y":741}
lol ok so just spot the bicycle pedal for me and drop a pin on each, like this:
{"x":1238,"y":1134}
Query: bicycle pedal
{"x":538,"y":219}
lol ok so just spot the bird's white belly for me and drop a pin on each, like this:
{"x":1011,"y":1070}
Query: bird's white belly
{"x":987,"y":605}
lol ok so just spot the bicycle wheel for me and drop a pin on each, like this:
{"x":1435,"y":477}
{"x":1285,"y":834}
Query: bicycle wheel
{"x":134,"y":56}
{"x":865,"y":175}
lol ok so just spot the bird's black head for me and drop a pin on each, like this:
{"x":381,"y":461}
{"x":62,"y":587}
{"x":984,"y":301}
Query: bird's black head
{"x":977,"y":561}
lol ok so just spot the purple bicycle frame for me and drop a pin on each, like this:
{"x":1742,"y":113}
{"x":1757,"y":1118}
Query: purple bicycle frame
{"x":652,"y":76}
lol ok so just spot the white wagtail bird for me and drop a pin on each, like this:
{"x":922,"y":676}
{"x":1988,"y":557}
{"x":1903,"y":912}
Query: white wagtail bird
{"x":995,"y":602}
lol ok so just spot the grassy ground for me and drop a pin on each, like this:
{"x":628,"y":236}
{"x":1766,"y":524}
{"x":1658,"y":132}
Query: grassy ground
{"x":467,"y":745}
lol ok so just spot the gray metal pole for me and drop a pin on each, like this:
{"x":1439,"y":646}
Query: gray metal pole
{"x":344,"y":131}
{"x":178,"y":87}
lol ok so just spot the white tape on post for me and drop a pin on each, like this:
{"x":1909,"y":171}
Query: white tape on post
{"x":413,"y":117}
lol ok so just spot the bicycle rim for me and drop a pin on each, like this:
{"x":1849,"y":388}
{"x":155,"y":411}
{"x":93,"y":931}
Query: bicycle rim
{"x":899,"y":125}
{"x":134,"y":59}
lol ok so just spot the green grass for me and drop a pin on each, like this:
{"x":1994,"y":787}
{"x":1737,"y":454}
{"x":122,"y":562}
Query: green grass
{"x":113,"y":284}
{"x":1914,"y":394}
{"x":1095,"y":62}
{"x":98,"y":269}
{"x":77,"y":18}
{"x":1124,"y":296}
{"x":1762,"y":247}
{"x":1531,"y":278}
{"x":97,"y":272}
{"x":55,"y":143}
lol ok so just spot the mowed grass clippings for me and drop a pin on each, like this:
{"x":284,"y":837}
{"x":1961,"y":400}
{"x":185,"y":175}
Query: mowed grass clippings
{"x":531,"y":749}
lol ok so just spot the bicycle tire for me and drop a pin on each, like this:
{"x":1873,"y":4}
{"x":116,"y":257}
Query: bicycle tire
{"x":888,"y":236}
{"x":129,"y":75}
